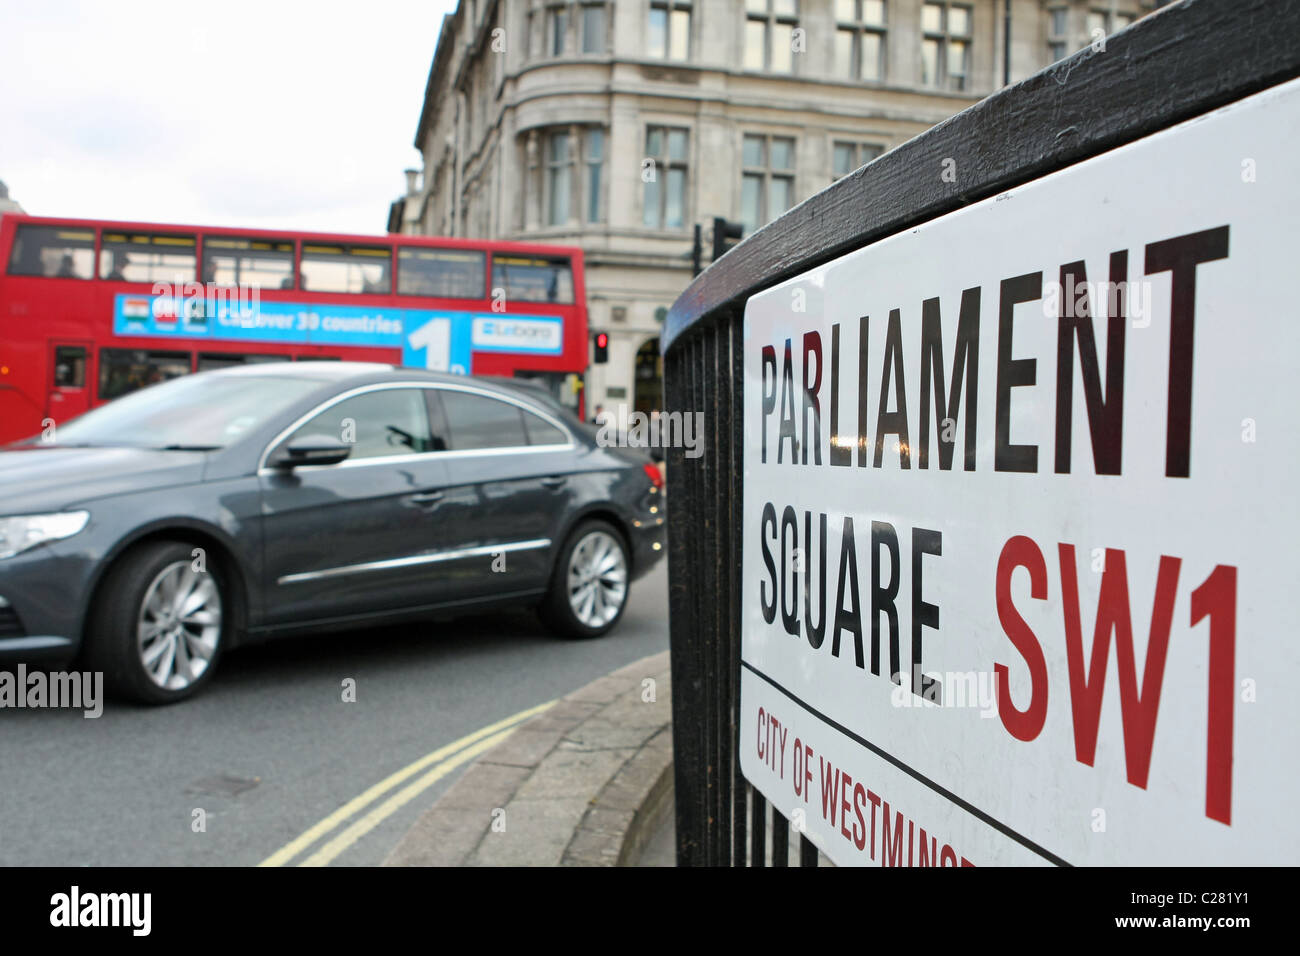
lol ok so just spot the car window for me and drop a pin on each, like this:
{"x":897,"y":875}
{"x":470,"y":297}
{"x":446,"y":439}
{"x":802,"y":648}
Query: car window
{"x":542,"y":432}
{"x":379,"y":424}
{"x":476,"y":421}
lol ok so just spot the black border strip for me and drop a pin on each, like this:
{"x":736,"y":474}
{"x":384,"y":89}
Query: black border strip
{"x":974,"y":811}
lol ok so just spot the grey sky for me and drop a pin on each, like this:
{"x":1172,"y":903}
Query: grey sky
{"x":239,"y":112}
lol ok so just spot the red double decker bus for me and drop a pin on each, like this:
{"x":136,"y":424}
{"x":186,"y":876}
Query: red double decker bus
{"x":90,"y":310}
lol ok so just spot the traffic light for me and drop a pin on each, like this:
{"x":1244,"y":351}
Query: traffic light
{"x":602,"y":349}
{"x":723,"y":233}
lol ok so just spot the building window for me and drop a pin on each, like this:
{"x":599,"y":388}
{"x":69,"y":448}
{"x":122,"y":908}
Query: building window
{"x":1058,"y":33}
{"x":593,"y":28}
{"x":1102,"y":23}
{"x":665,"y":178}
{"x":767,"y":179}
{"x":860,"y":39}
{"x":557,"y":29}
{"x":945,"y":45}
{"x":559,"y":174}
{"x":769,"y":34}
{"x":847,"y":157}
{"x":595,"y":167}
{"x":670,"y":29}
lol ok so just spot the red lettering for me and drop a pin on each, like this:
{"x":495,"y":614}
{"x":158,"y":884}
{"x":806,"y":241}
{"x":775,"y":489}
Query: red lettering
{"x":1022,"y":552}
{"x":1138,"y":709}
{"x":1217,"y":600}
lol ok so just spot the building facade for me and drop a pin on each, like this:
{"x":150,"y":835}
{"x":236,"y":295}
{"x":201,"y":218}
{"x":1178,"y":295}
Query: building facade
{"x":7,"y":204}
{"x":618,"y":126}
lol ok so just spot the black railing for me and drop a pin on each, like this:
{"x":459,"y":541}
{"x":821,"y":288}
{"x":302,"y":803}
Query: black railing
{"x":1179,"y":63}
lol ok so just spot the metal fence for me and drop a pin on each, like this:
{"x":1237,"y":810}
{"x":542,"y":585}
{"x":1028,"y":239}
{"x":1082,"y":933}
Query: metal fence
{"x":1179,"y":63}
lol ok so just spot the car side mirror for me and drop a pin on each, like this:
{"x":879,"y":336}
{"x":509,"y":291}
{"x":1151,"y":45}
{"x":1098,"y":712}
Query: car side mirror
{"x":311,"y":450}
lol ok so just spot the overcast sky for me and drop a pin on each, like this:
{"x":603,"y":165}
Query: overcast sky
{"x":238,"y":112}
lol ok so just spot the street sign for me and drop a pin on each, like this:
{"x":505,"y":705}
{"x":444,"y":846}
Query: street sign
{"x":1020,"y":519}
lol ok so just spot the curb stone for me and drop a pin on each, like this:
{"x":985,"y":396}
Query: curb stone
{"x":584,"y":783}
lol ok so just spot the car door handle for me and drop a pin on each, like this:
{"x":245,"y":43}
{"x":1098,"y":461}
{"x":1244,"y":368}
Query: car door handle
{"x":555,"y":482}
{"x":426,"y":498}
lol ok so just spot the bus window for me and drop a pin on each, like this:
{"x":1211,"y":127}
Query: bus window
{"x":249,"y":263}
{"x":211,"y":360}
{"x":69,"y":366}
{"x":531,"y":279}
{"x":126,"y":370}
{"x":138,"y":257}
{"x":53,"y":251}
{"x":443,"y":273}
{"x":327,"y":268}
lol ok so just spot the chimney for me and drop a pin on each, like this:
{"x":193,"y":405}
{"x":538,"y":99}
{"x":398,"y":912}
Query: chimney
{"x":412,"y":181}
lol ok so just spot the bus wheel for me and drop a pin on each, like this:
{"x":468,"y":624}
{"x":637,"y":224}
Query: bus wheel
{"x":159,"y":625}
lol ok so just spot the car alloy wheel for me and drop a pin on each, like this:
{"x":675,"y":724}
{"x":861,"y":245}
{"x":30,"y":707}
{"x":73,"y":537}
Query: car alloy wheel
{"x":179,"y":625}
{"x":597,"y":579}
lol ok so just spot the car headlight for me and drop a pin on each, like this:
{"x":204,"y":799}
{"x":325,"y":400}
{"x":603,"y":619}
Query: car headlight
{"x":21,"y":532}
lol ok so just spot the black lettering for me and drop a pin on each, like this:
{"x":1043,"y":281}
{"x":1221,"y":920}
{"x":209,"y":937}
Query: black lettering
{"x":967,"y":352}
{"x":850,"y":618}
{"x":882,"y":599}
{"x":864,"y":323}
{"x":840,"y":454}
{"x":1105,"y":415}
{"x":789,"y":585}
{"x":816,"y":632}
{"x":893,"y":423}
{"x":924,"y":614}
{"x":1180,"y":256}
{"x":768,"y":608}
{"x":1013,"y":374}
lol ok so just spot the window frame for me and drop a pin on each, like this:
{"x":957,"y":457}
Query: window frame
{"x":347,"y":254}
{"x":557,"y":19}
{"x":669,"y":7}
{"x":859,"y":148}
{"x":767,"y":173}
{"x":664,"y":163}
{"x":605,"y":19}
{"x":291,"y":252}
{"x":770,"y":20}
{"x":102,"y":248}
{"x":552,"y":169}
{"x":943,"y":80}
{"x":413,"y":250}
{"x":107,"y":351}
{"x":37,"y":227}
{"x":439,"y":427}
{"x":858,"y":27}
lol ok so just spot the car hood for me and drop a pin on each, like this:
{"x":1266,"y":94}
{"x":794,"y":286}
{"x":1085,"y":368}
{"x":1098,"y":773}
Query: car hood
{"x":36,"y":479}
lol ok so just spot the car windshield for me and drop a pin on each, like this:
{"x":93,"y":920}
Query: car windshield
{"x":193,"y":412}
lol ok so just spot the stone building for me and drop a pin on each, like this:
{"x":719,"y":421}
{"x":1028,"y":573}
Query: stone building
{"x":7,"y":204}
{"x":618,"y":126}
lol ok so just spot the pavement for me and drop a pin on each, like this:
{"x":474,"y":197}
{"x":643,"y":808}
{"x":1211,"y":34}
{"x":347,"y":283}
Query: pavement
{"x":587,"y":782}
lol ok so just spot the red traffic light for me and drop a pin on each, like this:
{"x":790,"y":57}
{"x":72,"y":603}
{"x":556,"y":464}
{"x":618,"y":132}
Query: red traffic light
{"x":602,"y":340}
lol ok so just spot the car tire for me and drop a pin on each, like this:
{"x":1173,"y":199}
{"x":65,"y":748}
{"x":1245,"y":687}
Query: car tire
{"x":160,"y":624}
{"x":589,"y":583}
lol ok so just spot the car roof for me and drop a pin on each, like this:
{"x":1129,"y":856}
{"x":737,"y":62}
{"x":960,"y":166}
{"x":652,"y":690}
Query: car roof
{"x":370,"y":373}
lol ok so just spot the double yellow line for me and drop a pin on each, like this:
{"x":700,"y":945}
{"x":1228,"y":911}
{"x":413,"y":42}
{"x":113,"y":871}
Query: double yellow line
{"x":436,"y":766}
